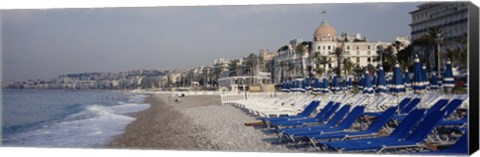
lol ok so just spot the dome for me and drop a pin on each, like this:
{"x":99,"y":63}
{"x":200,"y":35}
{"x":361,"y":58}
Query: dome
{"x":325,"y":32}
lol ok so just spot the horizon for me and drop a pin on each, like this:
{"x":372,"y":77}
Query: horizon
{"x":125,"y":39}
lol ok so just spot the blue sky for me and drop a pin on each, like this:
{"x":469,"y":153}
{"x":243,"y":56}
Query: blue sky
{"x":46,"y":43}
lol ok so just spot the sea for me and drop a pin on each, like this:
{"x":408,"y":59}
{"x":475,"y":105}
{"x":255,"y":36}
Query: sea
{"x":66,"y":118}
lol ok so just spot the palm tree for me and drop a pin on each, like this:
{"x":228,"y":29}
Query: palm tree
{"x":300,"y":50}
{"x":386,"y":57}
{"x":347,"y":66}
{"x":251,"y":63}
{"x":339,"y":56}
{"x":324,"y":60}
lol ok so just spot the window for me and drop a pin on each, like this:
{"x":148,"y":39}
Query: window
{"x":348,"y":47}
{"x":318,"y":48}
{"x":324,"y":47}
{"x":358,"y":47}
{"x":369,"y":47}
{"x":369,"y":59}
{"x":358,"y":59}
{"x":329,"y":48}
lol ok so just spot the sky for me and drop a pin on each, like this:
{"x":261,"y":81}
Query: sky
{"x":46,"y":43}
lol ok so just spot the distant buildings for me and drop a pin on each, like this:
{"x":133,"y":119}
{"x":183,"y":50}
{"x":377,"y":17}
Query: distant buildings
{"x":449,"y":22}
{"x":291,"y":63}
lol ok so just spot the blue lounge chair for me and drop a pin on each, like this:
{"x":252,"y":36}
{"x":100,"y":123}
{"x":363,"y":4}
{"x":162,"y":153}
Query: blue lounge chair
{"x":321,"y":117}
{"x":332,"y":122}
{"x":402,"y":129}
{"x":410,"y":106}
{"x":344,"y":125}
{"x":437,"y":106}
{"x":460,"y":122}
{"x":459,"y":148}
{"x":400,"y":105}
{"x":304,"y":114}
{"x":371,"y":131}
{"x":418,"y":135}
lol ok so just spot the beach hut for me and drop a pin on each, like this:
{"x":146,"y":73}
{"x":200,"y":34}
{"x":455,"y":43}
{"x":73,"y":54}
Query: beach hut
{"x":334,"y":85}
{"x":367,"y":87}
{"x":396,"y":83}
{"x":418,"y":83}
{"x":381,"y":82}
{"x":448,"y":80}
{"x":316,"y":85}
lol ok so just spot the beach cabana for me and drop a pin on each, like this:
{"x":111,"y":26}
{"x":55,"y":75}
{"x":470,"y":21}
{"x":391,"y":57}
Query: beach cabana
{"x":367,"y":87}
{"x":418,"y":83}
{"x":448,"y":80}
{"x":334,"y":85}
{"x":396,"y":83}
{"x":381,"y":82}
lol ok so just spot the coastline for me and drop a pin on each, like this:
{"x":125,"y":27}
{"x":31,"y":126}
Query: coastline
{"x":195,"y":123}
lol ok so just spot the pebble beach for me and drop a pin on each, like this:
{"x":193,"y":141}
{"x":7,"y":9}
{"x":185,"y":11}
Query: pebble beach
{"x":196,"y":123}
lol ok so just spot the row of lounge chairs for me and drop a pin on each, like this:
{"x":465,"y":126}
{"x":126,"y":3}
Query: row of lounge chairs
{"x":384,"y":124}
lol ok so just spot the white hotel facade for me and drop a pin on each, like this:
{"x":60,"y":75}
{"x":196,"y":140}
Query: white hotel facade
{"x":325,"y":40}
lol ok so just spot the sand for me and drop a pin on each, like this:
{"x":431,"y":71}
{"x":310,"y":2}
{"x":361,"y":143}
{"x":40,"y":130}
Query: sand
{"x":197,"y":123}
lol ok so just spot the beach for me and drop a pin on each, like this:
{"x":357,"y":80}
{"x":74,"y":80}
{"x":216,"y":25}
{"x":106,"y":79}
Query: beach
{"x":196,"y":123}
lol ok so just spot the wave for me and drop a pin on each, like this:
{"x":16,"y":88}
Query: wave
{"x":94,"y":125}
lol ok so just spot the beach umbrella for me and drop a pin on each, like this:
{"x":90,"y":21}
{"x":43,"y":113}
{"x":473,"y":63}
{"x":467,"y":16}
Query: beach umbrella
{"x":334,"y":85}
{"x":418,"y":83}
{"x":325,"y":85}
{"x":406,"y":79}
{"x":374,"y":82}
{"x":286,"y":86}
{"x":381,"y":82}
{"x":350,"y":84}
{"x":434,"y":83}
{"x":448,"y":80}
{"x":304,"y":86}
{"x":425,"y":76}
{"x":307,"y":85}
{"x":367,"y":87}
{"x":396,"y":83}
{"x":344,"y":85}
{"x":360,"y":83}
{"x":316,"y":85}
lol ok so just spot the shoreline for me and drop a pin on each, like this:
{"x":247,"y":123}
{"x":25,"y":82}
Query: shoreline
{"x":196,"y":123}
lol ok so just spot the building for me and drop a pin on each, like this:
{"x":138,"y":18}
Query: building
{"x":450,"y":18}
{"x":292,"y":64}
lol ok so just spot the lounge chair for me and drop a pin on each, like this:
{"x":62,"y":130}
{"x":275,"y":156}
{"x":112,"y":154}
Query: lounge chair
{"x":401,"y":130}
{"x":332,"y":122}
{"x":346,"y":123}
{"x":437,"y":106}
{"x":304,"y":114}
{"x":379,"y":144}
{"x":373,"y":130}
{"x":459,"y":148}
{"x":321,"y":117}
